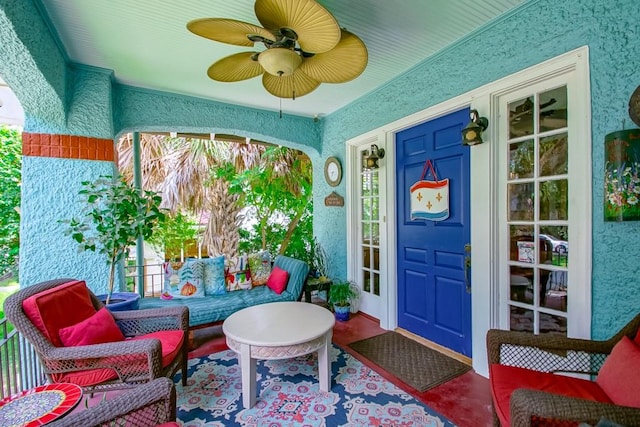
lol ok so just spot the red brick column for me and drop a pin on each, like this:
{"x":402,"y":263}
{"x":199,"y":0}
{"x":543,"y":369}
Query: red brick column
{"x":67,"y":146}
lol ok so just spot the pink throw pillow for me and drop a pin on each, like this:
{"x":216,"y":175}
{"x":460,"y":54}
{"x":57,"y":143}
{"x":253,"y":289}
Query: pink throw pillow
{"x":97,"y":329}
{"x":620,"y":374}
{"x":277,"y":280}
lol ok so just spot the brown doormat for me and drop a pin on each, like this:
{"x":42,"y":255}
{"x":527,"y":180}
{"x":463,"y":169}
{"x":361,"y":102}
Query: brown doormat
{"x":419,"y":366}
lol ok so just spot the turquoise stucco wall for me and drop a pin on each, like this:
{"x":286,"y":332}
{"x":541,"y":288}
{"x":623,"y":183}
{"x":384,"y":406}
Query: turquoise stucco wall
{"x":537,"y":31}
{"x":50,"y":193}
{"x":146,"y":110}
{"x":32,"y":65}
{"x":84,"y":101}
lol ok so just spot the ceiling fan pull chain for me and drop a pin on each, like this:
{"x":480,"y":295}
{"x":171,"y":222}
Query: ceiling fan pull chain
{"x":280,"y":107}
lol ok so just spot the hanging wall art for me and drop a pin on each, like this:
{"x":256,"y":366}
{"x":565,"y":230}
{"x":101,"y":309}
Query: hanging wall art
{"x":430,"y":199}
{"x":622,"y":176}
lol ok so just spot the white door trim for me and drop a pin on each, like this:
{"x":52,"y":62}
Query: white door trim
{"x":484,"y":222}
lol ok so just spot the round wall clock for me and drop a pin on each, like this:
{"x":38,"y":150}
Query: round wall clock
{"x":332,"y":171}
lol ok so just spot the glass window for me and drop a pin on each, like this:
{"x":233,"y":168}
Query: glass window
{"x":537,"y":212}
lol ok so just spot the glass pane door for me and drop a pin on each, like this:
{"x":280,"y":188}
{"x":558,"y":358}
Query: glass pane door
{"x":369,"y":218}
{"x":537,"y":212}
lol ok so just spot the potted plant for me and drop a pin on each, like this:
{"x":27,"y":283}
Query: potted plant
{"x":114,"y":215}
{"x":340,"y":296}
{"x":319,"y":260}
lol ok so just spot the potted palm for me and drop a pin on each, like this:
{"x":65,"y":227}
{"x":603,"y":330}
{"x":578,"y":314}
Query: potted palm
{"x":114,"y":215}
{"x":340,"y":296}
{"x":319,"y":261}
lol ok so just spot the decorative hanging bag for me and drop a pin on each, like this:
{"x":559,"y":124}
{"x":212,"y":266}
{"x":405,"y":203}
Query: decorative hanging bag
{"x":430,"y":199}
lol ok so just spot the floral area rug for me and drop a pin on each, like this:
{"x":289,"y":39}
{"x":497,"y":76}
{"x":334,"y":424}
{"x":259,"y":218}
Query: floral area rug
{"x":289,"y":395}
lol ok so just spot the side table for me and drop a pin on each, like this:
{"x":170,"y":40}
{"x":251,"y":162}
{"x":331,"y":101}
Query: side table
{"x":40,"y":405}
{"x":316,"y":284}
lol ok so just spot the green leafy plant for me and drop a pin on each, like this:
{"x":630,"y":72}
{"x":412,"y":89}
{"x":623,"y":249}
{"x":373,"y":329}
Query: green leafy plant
{"x":114,"y":215}
{"x":172,"y":233}
{"x":10,"y":179}
{"x":278,"y":193}
{"x":319,"y":259}
{"x":341,"y":294}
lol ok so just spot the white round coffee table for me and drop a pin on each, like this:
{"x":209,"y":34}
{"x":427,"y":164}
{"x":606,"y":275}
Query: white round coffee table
{"x":279,"y":330}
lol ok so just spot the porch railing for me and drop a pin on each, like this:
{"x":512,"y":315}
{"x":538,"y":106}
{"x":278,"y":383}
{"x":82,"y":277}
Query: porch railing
{"x":20,"y":367}
{"x":153,"y":278}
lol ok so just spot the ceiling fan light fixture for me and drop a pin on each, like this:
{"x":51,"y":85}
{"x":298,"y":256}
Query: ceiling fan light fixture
{"x":279,"y":61}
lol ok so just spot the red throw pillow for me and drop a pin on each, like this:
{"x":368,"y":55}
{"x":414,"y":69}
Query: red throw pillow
{"x":97,"y":329}
{"x":277,"y":280}
{"x":620,"y":374}
{"x":59,"y":307}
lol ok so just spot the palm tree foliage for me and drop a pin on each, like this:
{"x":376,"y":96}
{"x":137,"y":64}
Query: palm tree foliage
{"x":221,"y":181}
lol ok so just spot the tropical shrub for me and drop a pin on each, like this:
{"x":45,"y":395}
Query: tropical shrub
{"x":10,"y":178}
{"x":277,"y":194}
{"x":114,"y":215}
{"x":173,"y":233}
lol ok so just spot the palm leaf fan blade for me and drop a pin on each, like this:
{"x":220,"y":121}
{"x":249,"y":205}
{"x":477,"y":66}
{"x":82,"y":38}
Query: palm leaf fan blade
{"x":343,"y":63}
{"x":234,"y":68}
{"x":227,"y":31}
{"x":316,"y":28}
{"x":292,"y":86}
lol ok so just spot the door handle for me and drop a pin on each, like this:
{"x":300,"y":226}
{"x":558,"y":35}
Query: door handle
{"x":467,"y":267}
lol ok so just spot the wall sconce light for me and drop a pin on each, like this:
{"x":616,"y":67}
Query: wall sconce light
{"x":472,"y":133}
{"x":375,"y":154}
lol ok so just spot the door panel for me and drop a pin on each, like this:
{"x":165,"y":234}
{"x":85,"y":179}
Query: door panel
{"x":433,"y":301}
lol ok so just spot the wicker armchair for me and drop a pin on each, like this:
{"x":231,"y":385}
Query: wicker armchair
{"x":557,"y":354}
{"x":146,"y":405}
{"x":134,"y":361}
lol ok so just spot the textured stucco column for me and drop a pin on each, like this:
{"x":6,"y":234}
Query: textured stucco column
{"x":54,"y":167}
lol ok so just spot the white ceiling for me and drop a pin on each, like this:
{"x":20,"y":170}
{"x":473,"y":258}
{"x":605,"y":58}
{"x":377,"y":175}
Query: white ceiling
{"x":146,"y":43}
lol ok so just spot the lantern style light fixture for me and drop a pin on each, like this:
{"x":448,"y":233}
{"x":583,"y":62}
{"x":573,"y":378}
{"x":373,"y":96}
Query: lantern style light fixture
{"x":472,"y":133}
{"x":375,"y":154}
{"x":279,"y":62}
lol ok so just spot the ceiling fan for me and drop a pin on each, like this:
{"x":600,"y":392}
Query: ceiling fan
{"x":304,"y":47}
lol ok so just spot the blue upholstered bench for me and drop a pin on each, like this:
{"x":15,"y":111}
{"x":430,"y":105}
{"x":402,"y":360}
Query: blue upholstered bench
{"x":215,"y":308}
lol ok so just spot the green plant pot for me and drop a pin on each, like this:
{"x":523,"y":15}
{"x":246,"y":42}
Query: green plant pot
{"x":342,"y":312}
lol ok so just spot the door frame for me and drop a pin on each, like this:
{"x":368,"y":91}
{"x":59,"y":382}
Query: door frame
{"x":380,"y":309}
{"x":485,"y":274}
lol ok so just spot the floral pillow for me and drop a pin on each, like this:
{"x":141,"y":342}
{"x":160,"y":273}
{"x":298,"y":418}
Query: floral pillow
{"x":214,"y":280}
{"x":184,"y":279}
{"x":237,"y":274}
{"x":260,"y":267}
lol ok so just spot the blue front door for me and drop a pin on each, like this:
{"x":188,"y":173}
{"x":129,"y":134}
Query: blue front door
{"x":434,"y":299}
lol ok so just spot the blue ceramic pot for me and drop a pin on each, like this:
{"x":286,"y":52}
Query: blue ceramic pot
{"x":342,"y":312}
{"x":121,"y":301}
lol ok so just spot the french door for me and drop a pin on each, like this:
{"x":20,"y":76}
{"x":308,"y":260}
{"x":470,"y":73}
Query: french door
{"x":542,"y":221}
{"x":370,"y":240}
